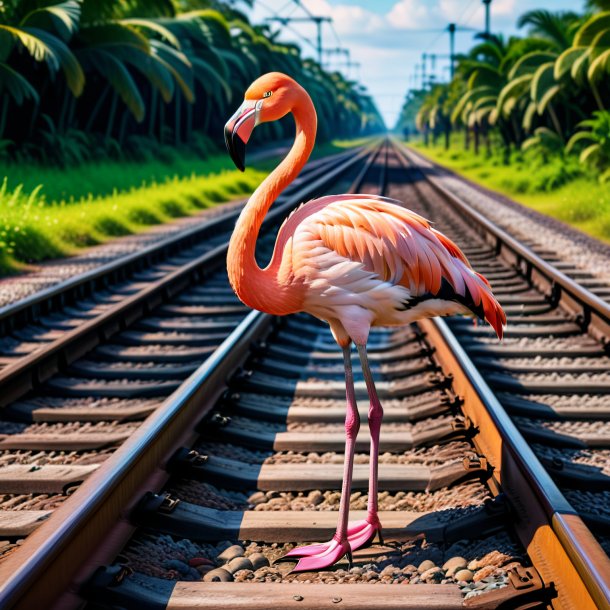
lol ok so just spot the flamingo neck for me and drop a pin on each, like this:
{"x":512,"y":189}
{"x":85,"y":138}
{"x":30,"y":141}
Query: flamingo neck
{"x":269,"y":289}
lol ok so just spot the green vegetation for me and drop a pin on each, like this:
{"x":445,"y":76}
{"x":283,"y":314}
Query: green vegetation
{"x":107,"y":176}
{"x":32,"y":229}
{"x":85,"y":80}
{"x":560,"y":189}
{"x":530,"y":116}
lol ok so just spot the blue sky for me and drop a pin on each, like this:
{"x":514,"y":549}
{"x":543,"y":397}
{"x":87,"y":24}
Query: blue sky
{"x":388,"y":37}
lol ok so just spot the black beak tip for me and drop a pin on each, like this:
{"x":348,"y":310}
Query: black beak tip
{"x":236,"y":149}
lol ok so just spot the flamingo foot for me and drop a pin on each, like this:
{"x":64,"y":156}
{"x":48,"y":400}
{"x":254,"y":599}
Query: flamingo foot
{"x":359,"y":534}
{"x":319,"y":556}
{"x":362,"y":533}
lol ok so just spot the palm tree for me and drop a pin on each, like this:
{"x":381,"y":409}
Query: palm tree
{"x":42,"y":34}
{"x":153,"y":68}
{"x":485,"y":70}
{"x":596,"y":136}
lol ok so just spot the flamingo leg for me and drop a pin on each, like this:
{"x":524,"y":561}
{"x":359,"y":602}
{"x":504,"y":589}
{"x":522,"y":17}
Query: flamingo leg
{"x":371,"y":526}
{"x":319,"y":556}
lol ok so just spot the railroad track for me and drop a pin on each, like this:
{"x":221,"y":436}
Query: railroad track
{"x":264,"y":414}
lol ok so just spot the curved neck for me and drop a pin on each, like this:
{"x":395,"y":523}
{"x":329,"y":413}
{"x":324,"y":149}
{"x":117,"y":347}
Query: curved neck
{"x":267,"y":289}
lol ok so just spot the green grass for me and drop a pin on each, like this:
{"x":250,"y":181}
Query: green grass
{"x":558,"y":188}
{"x":33,"y":230}
{"x":104,"y":178}
{"x":48,"y":212}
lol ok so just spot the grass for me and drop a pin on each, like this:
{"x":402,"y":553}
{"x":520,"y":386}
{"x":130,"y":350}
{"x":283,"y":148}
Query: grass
{"x":31,"y":229}
{"x":559,"y":188}
{"x":104,"y":178}
{"x":49,"y":212}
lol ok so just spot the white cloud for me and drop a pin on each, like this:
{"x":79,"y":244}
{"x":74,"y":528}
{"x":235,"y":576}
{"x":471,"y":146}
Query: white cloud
{"x":408,"y":14}
{"x":506,"y":8}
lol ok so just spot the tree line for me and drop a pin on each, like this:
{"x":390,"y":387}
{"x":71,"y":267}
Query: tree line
{"x":87,"y":79}
{"x":547,"y":92}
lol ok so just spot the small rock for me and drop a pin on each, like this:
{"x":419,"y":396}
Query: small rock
{"x":231,"y":553}
{"x":463,"y":575}
{"x":203,"y":569}
{"x":218,"y":575}
{"x":425,"y":565}
{"x":257,"y":498}
{"x":315,"y":497}
{"x":239,"y":563}
{"x":494,"y":558}
{"x":223,"y":545}
{"x":356,"y":570}
{"x":434,"y":574}
{"x":258,"y":560}
{"x":484,"y":573}
{"x":451,"y":566}
{"x":334,"y":497}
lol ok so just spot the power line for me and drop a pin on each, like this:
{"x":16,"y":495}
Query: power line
{"x":472,"y":3}
{"x":315,"y":19}
{"x":287,"y":25}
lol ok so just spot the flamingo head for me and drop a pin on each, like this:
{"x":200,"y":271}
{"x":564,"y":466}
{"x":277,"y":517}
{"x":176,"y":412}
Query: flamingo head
{"x":268,"y":98}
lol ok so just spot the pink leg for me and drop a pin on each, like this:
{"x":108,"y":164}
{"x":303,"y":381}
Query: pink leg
{"x":372,"y":525}
{"x":319,"y":556}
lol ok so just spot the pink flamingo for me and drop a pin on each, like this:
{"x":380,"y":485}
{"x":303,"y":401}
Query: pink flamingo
{"x":354,"y":261}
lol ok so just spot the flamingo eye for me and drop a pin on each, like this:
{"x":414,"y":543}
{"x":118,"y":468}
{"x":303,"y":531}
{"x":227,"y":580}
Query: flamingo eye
{"x":268,"y":94}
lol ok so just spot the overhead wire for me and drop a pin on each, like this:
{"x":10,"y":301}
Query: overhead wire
{"x":276,"y":14}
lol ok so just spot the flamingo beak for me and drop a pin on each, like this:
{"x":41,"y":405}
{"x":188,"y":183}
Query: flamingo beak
{"x":239,"y":129}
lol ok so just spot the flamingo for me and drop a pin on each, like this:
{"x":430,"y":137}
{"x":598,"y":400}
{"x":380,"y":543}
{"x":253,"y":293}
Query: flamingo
{"x":353,"y":261}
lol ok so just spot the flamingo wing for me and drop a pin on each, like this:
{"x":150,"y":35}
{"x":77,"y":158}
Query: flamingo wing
{"x":401,"y":248}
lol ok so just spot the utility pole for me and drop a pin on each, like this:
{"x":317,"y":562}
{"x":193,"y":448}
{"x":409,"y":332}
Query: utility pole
{"x":338,"y":51}
{"x":312,"y":18}
{"x":423,"y":70}
{"x":451,"y":28}
{"x":487,"y":18}
{"x":348,"y":63}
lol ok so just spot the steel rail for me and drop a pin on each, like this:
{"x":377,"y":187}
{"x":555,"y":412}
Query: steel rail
{"x":50,"y":299}
{"x":65,"y":550}
{"x":579,"y":299}
{"x":31,"y":370}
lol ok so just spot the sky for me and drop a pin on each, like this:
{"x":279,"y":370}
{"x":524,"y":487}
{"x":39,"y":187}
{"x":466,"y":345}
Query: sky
{"x":388,"y":37}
